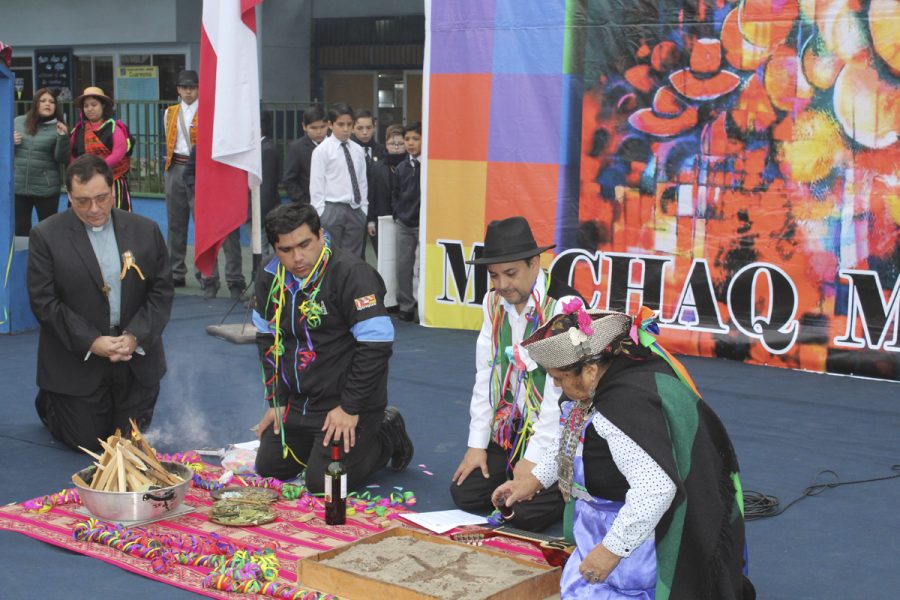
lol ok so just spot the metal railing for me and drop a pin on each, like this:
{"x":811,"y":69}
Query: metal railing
{"x":145,"y":121}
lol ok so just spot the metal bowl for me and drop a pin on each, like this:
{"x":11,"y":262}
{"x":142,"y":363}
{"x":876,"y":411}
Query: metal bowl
{"x":135,"y":506}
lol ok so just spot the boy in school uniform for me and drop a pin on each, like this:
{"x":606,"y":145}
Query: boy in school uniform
{"x":338,"y":188}
{"x":405,"y":205}
{"x":364,"y":135}
{"x":381,"y":180}
{"x":299,"y":154}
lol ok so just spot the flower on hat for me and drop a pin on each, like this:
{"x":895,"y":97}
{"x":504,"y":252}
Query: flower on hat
{"x":576,"y":306}
{"x":577,"y":336}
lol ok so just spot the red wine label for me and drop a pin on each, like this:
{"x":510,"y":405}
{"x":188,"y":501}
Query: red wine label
{"x":344,"y":485}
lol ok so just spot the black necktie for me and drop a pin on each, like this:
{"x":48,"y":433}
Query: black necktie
{"x":357,"y":197}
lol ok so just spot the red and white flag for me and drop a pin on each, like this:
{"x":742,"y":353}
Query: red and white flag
{"x":228,"y":137}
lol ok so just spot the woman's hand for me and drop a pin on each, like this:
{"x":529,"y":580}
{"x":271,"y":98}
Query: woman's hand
{"x":598,"y":564}
{"x":516,"y":490}
{"x":522,"y":470}
{"x":61,"y":128}
{"x":17,"y":138}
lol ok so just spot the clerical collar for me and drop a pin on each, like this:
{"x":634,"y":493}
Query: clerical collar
{"x":101,"y":228}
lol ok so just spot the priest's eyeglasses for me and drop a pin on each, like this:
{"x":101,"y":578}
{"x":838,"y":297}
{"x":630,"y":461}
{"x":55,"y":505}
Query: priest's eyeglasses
{"x":84,"y":202}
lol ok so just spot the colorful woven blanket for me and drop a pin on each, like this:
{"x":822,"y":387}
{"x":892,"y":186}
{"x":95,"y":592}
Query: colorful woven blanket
{"x":189,"y":538}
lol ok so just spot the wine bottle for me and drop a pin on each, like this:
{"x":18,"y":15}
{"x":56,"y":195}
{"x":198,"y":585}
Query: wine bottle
{"x":335,"y":488}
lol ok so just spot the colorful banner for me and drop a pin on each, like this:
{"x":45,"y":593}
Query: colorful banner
{"x":730,"y":164}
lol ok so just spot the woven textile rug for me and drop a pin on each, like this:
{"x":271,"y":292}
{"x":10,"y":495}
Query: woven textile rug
{"x":293,"y":540}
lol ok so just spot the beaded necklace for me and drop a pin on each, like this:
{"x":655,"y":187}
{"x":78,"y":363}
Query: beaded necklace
{"x":573,"y":426}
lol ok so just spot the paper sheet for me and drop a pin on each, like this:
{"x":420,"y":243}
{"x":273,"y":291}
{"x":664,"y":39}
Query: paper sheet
{"x":442,"y":521}
{"x":251,"y":445}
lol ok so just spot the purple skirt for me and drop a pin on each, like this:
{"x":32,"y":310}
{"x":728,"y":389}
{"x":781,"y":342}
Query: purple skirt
{"x":633,"y":578}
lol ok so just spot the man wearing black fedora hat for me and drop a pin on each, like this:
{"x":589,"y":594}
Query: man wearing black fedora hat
{"x":514,"y":412}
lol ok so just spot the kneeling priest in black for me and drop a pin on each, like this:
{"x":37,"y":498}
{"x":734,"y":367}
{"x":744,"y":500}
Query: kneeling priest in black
{"x":101,"y":289}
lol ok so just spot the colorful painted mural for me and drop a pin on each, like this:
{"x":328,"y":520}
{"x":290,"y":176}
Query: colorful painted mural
{"x":732,"y":164}
{"x":754,"y":145}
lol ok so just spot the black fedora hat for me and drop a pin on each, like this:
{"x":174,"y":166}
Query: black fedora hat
{"x":188,"y":79}
{"x":508,"y":240}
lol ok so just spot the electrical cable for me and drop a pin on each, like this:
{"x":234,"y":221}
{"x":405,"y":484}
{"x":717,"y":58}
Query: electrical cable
{"x":760,"y":506}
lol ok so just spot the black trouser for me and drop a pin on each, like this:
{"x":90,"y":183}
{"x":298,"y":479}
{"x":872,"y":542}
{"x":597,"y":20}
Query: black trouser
{"x":46,"y":207}
{"x":542,"y":511}
{"x":80,"y":420}
{"x":303,"y":434}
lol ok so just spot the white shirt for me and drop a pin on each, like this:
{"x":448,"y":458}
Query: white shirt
{"x":481,"y":413}
{"x":650,"y":491}
{"x":186,"y":113}
{"x":329,"y":177}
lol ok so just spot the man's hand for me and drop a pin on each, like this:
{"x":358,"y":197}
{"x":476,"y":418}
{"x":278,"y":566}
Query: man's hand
{"x":268,"y":419}
{"x":340,"y":426}
{"x":61,"y":128}
{"x":598,"y":564}
{"x":107,"y":346}
{"x":17,"y":138}
{"x":371,"y":228}
{"x":475,"y":458}
{"x":522,"y":470}
{"x":127,"y":344}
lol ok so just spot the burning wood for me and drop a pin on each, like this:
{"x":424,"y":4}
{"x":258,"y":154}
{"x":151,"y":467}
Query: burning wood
{"x":127,"y":465}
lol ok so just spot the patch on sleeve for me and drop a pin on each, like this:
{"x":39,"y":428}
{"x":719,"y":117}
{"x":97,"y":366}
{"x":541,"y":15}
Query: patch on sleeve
{"x":365,"y":302}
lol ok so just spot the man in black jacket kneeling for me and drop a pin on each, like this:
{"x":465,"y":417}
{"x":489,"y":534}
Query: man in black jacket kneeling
{"x":324,"y":340}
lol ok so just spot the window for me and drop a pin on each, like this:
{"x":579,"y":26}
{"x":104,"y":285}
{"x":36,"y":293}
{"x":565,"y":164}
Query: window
{"x":169,"y":67}
{"x":136,"y":60}
{"x":94,"y":70}
{"x":24,"y":74}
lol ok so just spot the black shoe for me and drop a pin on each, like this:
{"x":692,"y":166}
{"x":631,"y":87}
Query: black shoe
{"x":394,"y":429}
{"x":179,"y":282}
{"x":210,"y":291}
{"x":407,"y":315}
{"x":41,"y":404}
{"x":236,"y":292}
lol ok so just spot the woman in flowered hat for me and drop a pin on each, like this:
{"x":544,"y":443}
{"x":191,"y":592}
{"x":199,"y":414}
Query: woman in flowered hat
{"x":100,"y":134}
{"x":647,"y":467}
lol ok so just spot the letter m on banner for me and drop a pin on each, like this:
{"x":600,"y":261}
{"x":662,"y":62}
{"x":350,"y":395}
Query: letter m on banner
{"x":458,"y":275}
{"x":866,"y":307}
